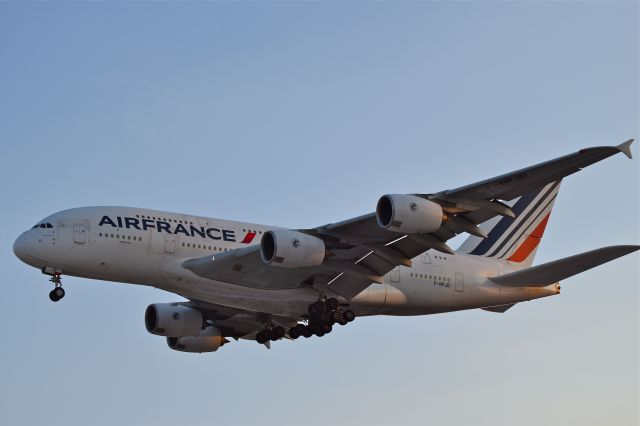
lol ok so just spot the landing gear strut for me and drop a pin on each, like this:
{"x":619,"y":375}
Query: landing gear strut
{"x":58,"y":292}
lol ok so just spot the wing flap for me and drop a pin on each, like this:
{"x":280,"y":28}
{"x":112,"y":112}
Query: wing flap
{"x":244,"y":267}
{"x":552,"y":272}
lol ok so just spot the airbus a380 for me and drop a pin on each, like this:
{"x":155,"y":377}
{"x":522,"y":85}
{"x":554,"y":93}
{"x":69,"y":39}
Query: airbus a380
{"x":248,"y":281}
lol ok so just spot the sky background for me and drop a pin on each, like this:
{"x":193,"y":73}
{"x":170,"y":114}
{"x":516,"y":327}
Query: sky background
{"x":300,"y":114}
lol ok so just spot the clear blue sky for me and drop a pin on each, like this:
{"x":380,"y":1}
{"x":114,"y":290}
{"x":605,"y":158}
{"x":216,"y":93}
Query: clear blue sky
{"x":299,"y":114}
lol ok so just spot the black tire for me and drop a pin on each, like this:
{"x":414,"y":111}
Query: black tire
{"x":320,"y":306}
{"x":319,"y":333}
{"x":337,"y":316}
{"x":312,"y":310}
{"x":349,"y":315}
{"x":315,"y":320}
{"x":277,"y":333}
{"x":343,"y":322}
{"x":332,"y":304}
{"x":260,"y":337}
{"x":53,"y":296}
{"x":59,"y":291}
{"x":293,"y":332}
{"x":324,"y":317}
{"x":267,"y":334}
{"x":307,"y":332}
{"x":326,"y":328}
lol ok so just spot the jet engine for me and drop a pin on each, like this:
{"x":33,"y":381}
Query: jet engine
{"x":172,"y":320}
{"x":209,"y":340}
{"x":291,"y":249}
{"x":408,"y":214}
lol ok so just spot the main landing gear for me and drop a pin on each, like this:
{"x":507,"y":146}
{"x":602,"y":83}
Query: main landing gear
{"x":323,"y":315}
{"x":271,"y":333}
{"x":58,"y":292}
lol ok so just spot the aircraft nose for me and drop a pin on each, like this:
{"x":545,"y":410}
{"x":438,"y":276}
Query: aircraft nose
{"x":20,"y":247}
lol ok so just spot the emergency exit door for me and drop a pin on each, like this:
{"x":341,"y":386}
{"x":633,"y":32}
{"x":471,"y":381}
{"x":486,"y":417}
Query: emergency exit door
{"x":170,"y":244}
{"x":394,"y":275}
{"x":459,"y":282}
{"x":79,"y":234}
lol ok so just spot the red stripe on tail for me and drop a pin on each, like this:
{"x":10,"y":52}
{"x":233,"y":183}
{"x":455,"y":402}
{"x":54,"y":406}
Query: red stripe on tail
{"x":530,"y":243}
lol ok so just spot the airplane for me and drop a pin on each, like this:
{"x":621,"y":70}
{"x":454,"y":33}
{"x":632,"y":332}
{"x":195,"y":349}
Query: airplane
{"x":263,"y":283}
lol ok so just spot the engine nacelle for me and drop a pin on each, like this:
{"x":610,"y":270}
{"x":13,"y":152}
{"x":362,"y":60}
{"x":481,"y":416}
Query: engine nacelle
{"x":291,"y":249}
{"x":209,"y":340}
{"x":408,"y":214}
{"x":172,"y":320}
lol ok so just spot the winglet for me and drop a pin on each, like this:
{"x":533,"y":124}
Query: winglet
{"x":625,"y":148}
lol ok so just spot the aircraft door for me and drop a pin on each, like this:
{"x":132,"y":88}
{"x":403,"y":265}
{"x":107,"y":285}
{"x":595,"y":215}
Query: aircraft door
{"x":394,"y":275}
{"x":459,"y":282}
{"x":170,"y":244}
{"x":79,"y":234}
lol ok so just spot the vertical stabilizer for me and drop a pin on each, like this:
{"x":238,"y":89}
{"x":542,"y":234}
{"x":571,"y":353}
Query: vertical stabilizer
{"x":516,"y":239}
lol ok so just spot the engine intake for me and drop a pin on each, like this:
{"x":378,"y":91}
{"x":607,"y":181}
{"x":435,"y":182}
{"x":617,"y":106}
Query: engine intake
{"x":291,"y":249}
{"x":209,"y":340}
{"x":408,"y":214}
{"x":172,"y":320}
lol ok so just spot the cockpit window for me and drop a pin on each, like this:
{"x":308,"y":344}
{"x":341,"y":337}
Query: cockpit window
{"x":42,"y":225}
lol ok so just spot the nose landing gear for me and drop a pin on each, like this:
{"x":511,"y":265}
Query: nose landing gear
{"x":58,"y":292}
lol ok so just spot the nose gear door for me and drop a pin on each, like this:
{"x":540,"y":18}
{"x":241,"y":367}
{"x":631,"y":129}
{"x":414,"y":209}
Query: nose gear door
{"x":79,"y":234}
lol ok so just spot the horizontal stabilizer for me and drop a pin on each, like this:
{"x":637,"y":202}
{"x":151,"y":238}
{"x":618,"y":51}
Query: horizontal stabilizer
{"x":552,"y":272}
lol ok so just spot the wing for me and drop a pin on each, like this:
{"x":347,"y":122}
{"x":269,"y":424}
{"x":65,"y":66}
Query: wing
{"x":362,"y":252}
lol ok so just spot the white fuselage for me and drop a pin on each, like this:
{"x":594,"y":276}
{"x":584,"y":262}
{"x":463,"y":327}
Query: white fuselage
{"x":148,"y":247}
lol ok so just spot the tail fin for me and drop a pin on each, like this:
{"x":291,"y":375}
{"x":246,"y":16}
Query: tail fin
{"x":516,"y":240}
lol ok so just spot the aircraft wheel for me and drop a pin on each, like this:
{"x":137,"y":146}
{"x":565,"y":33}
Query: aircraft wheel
{"x":59,"y":291}
{"x":326,"y":328}
{"x":267,"y":334}
{"x":307,"y":332}
{"x":320,"y":306}
{"x":324,"y":317}
{"x":293,"y":332}
{"x":332,"y":303}
{"x":277,"y":333}
{"x":349,"y":315}
{"x":56,"y":294}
